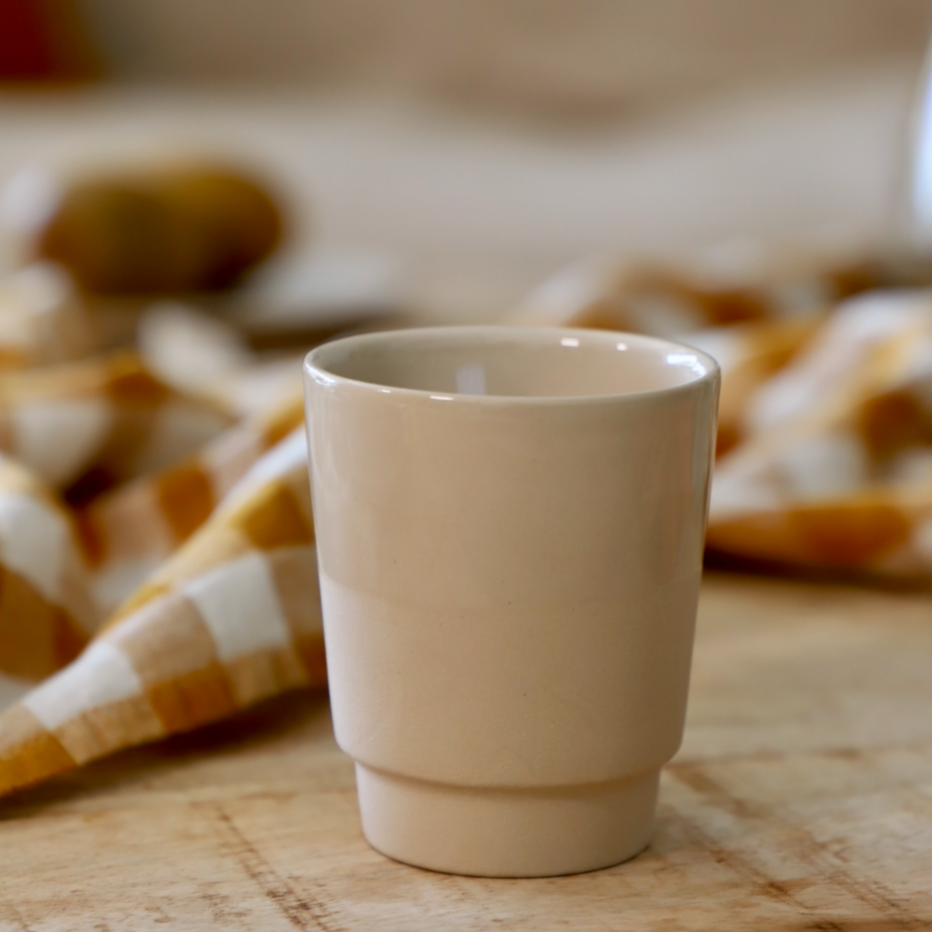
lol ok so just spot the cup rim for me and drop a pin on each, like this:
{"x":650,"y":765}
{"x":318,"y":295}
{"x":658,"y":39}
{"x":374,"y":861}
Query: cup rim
{"x":313,"y":368}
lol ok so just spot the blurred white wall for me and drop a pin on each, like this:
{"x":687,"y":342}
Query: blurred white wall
{"x":549,"y":54}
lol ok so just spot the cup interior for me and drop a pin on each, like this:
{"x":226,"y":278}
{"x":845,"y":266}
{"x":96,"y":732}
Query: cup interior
{"x":512,"y":362}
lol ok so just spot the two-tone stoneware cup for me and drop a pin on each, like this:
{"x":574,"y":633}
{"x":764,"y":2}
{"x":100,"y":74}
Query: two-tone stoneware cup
{"x":510,"y":527}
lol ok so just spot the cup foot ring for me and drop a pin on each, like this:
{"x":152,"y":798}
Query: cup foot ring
{"x":506,"y":832}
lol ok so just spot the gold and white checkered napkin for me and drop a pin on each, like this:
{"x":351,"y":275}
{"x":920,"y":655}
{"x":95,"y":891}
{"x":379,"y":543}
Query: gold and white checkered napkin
{"x":825,"y":429}
{"x":93,"y":424}
{"x":47,"y":609}
{"x":232,"y":618}
{"x":69,"y":429}
{"x":149,"y":581}
{"x":835,"y":469}
{"x":42,"y":321}
{"x":130,"y":531}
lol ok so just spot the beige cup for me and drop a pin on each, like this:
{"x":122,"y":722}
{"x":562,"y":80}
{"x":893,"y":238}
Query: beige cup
{"x":510,"y":525}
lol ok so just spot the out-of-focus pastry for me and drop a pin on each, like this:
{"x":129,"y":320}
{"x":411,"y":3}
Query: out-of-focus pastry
{"x":174,"y":229}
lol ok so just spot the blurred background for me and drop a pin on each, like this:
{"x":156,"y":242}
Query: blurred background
{"x":453,"y":154}
{"x":194,"y":192}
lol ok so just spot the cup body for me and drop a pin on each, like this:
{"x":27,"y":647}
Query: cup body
{"x":510,"y":525}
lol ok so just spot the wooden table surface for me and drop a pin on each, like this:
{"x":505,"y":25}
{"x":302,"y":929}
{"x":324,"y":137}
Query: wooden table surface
{"x":801,"y":799}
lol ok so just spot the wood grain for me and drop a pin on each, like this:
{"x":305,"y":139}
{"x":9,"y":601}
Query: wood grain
{"x":802,"y":799}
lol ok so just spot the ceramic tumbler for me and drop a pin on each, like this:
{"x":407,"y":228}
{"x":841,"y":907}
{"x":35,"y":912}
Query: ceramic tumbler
{"x":510,"y":528}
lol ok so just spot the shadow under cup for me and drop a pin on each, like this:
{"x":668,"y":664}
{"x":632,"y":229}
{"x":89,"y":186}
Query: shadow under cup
{"x":509,"y":526}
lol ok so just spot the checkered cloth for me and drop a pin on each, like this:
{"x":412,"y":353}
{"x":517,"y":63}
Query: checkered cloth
{"x":835,"y":468}
{"x":157,"y":568}
{"x":825,"y":429}
{"x":70,"y":429}
{"x":231,"y":618}
{"x":47,"y":608}
{"x":129,"y":532}
{"x":738,"y":283}
{"x":42,"y":321}
{"x":157,"y":564}
{"x":93,"y":424}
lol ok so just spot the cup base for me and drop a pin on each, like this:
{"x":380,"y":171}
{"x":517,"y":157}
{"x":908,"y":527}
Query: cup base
{"x":506,"y":832}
